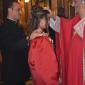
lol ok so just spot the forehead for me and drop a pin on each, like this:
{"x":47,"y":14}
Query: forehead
{"x":16,"y":5}
{"x":44,"y":19}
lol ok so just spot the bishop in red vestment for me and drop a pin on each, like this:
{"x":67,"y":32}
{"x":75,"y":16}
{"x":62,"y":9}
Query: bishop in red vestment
{"x":72,"y":52}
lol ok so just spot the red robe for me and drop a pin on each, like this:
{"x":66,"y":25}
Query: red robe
{"x":75,"y":65}
{"x":75,"y":68}
{"x":66,"y":34}
{"x":42,"y":62}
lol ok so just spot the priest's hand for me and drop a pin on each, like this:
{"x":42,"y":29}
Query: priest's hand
{"x":52,"y":13}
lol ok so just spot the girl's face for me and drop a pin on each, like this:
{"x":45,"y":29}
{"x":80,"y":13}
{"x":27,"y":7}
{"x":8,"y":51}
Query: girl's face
{"x":43,"y":23}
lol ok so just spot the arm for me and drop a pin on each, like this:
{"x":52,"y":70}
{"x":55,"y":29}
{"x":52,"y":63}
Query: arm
{"x":55,"y":24}
{"x":54,"y":20}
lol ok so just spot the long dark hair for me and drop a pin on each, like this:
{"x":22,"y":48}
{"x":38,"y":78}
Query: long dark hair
{"x":37,"y":13}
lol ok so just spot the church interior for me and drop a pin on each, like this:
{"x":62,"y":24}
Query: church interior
{"x":26,"y":5}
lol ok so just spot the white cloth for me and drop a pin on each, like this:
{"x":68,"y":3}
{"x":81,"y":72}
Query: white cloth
{"x":55,"y":24}
{"x":79,"y":27}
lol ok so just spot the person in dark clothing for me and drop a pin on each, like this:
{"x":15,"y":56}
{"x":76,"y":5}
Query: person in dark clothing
{"x":14,"y":47}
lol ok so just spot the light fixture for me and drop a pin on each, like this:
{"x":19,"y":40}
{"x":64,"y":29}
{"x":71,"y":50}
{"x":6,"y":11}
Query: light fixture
{"x":26,"y":1}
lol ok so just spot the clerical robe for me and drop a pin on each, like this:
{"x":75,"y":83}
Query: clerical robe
{"x":43,"y":62}
{"x":76,"y":66}
{"x":70,"y":76}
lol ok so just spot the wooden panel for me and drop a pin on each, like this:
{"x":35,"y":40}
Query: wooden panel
{"x":54,"y":7}
{"x":54,"y":4}
{"x":69,"y":11}
{"x":1,"y":11}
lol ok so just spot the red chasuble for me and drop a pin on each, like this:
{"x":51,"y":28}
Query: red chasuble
{"x":76,"y":57}
{"x":66,"y":35}
{"x":75,"y":64}
{"x":43,"y":62}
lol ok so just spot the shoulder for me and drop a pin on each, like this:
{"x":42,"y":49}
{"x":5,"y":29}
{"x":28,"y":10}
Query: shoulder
{"x":40,"y":40}
{"x":36,"y":34}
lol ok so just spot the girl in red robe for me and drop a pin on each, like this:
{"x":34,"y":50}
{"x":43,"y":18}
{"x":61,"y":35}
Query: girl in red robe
{"x":41,"y":57}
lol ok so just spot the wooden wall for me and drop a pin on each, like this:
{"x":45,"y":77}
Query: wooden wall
{"x":66,"y":4}
{"x":53,"y":4}
{"x":1,"y":11}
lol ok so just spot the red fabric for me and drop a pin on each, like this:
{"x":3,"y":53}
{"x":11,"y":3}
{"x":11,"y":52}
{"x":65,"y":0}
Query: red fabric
{"x":75,"y":76}
{"x":66,"y":33}
{"x":43,"y":62}
{"x":75,"y":68}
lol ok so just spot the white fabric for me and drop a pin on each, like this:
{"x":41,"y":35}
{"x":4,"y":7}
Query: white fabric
{"x":79,"y":27}
{"x":55,"y":24}
{"x":52,"y":22}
